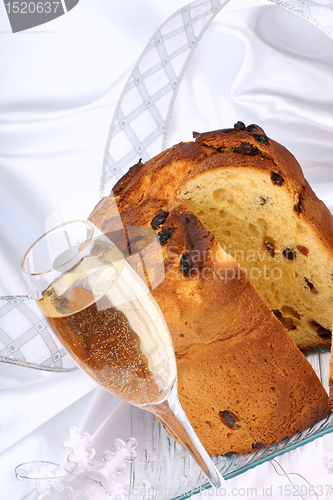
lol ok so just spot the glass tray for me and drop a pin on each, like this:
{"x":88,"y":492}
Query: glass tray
{"x":163,"y":470}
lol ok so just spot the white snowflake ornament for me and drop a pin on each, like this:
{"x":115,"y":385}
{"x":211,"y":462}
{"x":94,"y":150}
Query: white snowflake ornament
{"x":328,"y":459}
{"x":85,"y":478}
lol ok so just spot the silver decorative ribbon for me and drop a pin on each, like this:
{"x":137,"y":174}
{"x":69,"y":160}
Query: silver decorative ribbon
{"x":26,"y":338}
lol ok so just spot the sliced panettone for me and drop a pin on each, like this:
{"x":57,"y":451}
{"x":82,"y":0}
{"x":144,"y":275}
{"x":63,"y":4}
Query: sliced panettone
{"x":250,"y":192}
{"x":242,"y":381}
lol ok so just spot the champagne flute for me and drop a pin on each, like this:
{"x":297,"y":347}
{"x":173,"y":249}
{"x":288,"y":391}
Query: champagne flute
{"x":108,"y":321}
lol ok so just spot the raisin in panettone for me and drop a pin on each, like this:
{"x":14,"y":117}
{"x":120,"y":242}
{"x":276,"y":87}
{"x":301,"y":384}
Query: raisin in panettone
{"x":250,"y":192}
{"x":242,"y":381}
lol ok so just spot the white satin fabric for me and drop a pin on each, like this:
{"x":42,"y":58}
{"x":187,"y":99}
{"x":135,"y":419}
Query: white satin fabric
{"x":60,"y":83}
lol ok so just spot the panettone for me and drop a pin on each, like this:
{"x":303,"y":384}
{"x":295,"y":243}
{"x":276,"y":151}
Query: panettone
{"x":242,"y":381}
{"x":250,"y":192}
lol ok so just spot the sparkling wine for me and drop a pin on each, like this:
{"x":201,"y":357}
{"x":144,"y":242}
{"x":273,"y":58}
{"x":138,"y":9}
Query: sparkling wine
{"x":110,"y":324}
{"x":104,"y":314}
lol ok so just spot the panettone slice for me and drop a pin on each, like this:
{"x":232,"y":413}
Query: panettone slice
{"x":250,"y":192}
{"x":242,"y":381}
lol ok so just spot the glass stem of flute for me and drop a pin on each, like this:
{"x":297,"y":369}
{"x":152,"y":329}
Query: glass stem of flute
{"x":173,"y":416}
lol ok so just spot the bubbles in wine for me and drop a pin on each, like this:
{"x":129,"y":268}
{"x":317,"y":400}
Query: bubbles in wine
{"x":105,"y":315}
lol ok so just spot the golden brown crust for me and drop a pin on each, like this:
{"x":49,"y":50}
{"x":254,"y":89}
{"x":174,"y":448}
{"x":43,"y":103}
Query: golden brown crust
{"x":262,"y":391}
{"x":163,"y":172}
{"x":163,"y":176}
{"x":232,"y":354}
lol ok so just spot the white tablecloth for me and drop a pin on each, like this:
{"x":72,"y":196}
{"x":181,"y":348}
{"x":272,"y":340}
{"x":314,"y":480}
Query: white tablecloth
{"x":60,"y":83}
